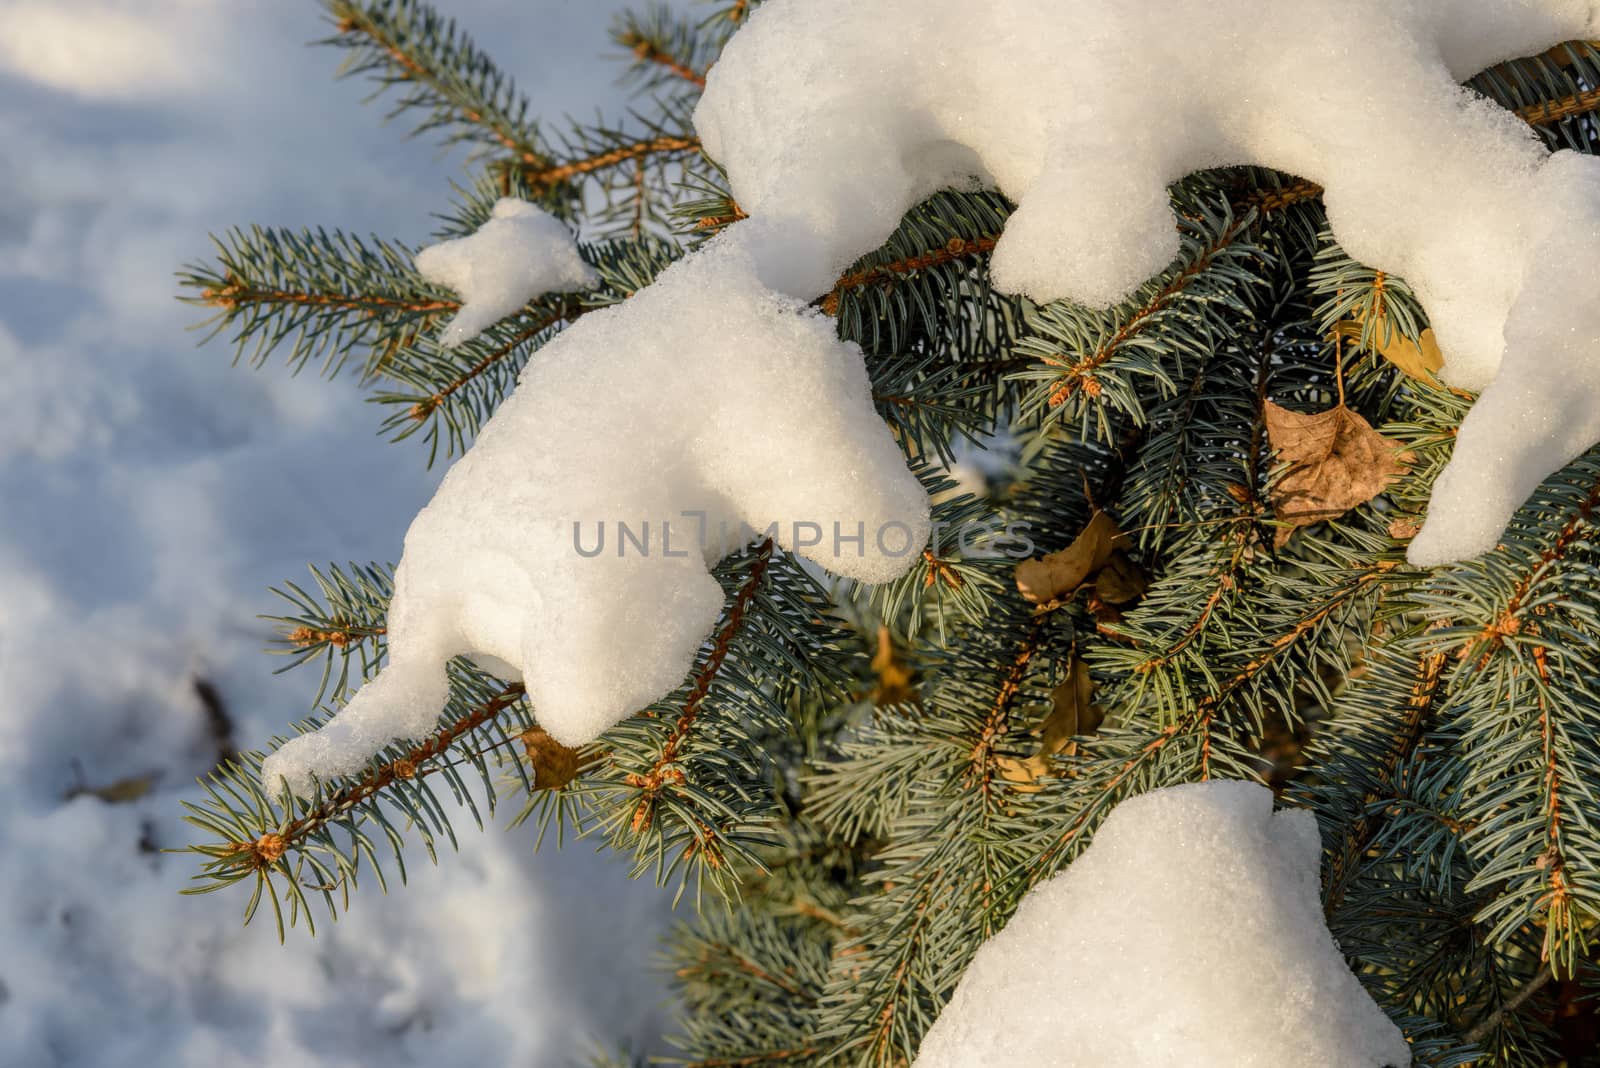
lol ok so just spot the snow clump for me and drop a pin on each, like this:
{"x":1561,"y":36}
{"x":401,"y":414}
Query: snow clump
{"x":522,"y":252}
{"x":1188,"y":934}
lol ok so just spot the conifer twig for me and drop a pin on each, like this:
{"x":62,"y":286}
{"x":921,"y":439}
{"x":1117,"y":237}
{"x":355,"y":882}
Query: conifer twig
{"x":646,"y":50}
{"x":418,"y":762}
{"x":1486,"y":1027}
{"x":547,"y":175}
{"x":662,"y":772}
{"x":407,"y":43}
{"x":1079,"y":374}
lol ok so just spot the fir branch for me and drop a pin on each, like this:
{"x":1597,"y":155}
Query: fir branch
{"x":1224,"y":574}
{"x":754,"y":1060}
{"x":287,"y":847}
{"x":566,"y":311}
{"x":1510,"y":1006}
{"x":442,"y":74}
{"x":1265,"y":201}
{"x":997,"y":724}
{"x":344,"y":619}
{"x":327,"y":294}
{"x":1511,"y":619}
{"x":1080,"y":374}
{"x":1107,"y":793}
{"x":1550,"y":112}
{"x":343,"y":637}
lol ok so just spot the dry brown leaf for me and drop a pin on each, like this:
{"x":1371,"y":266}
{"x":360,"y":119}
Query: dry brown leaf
{"x":1072,"y":714}
{"x":554,"y":765}
{"x":1072,"y":711}
{"x":1059,"y":573}
{"x":1420,"y":359}
{"x":1120,"y":581}
{"x":1405,"y":528}
{"x":1337,"y":461}
{"x":894,"y":678}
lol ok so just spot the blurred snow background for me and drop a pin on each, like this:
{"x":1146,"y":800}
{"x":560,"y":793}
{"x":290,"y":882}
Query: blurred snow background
{"x":149,"y":493}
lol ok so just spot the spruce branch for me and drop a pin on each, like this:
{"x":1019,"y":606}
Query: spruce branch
{"x":328,"y":295}
{"x":566,"y":310}
{"x":954,"y":249}
{"x":278,"y":844}
{"x":1400,"y":742}
{"x":440,"y":73}
{"x":667,"y":52}
{"x":662,"y":771}
{"x":1452,"y":723}
{"x":998,"y":721}
{"x":344,"y":619}
{"x":1550,"y":112}
{"x":1520,"y":605}
{"x":1511,"y":1005}
{"x":1079,"y":372}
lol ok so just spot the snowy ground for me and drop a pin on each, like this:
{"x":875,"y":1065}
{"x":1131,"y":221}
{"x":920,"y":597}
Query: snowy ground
{"x":148,"y":495}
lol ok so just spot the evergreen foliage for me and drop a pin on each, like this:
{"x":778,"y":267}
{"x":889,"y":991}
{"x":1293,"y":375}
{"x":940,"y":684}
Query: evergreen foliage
{"x":847,"y":768}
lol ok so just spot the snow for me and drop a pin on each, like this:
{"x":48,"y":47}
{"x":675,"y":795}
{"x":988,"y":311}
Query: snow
{"x":1543,"y":409}
{"x":149,"y":493}
{"x":1189,"y":933}
{"x":833,"y":117}
{"x":721,"y":400}
{"x":521,"y":253}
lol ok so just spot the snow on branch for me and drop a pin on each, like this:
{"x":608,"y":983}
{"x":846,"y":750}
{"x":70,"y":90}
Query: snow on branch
{"x":1441,"y":188}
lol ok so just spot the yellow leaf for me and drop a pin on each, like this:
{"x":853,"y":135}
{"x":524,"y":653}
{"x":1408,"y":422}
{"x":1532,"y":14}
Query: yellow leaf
{"x":1420,"y":359}
{"x":894,"y":678}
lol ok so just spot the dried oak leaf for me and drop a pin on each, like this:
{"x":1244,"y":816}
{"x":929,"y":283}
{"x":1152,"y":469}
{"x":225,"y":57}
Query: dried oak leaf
{"x":1421,"y":359}
{"x":1059,"y":573}
{"x":1336,"y":460}
{"x":894,"y":678}
{"x":554,"y":765}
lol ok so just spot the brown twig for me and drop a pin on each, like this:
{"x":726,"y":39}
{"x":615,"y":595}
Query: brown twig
{"x":662,"y":772}
{"x":1511,"y":1005}
{"x":647,"y":51}
{"x":954,"y":249}
{"x":417,"y":762}
{"x":568,"y":312}
{"x":548,"y":176}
